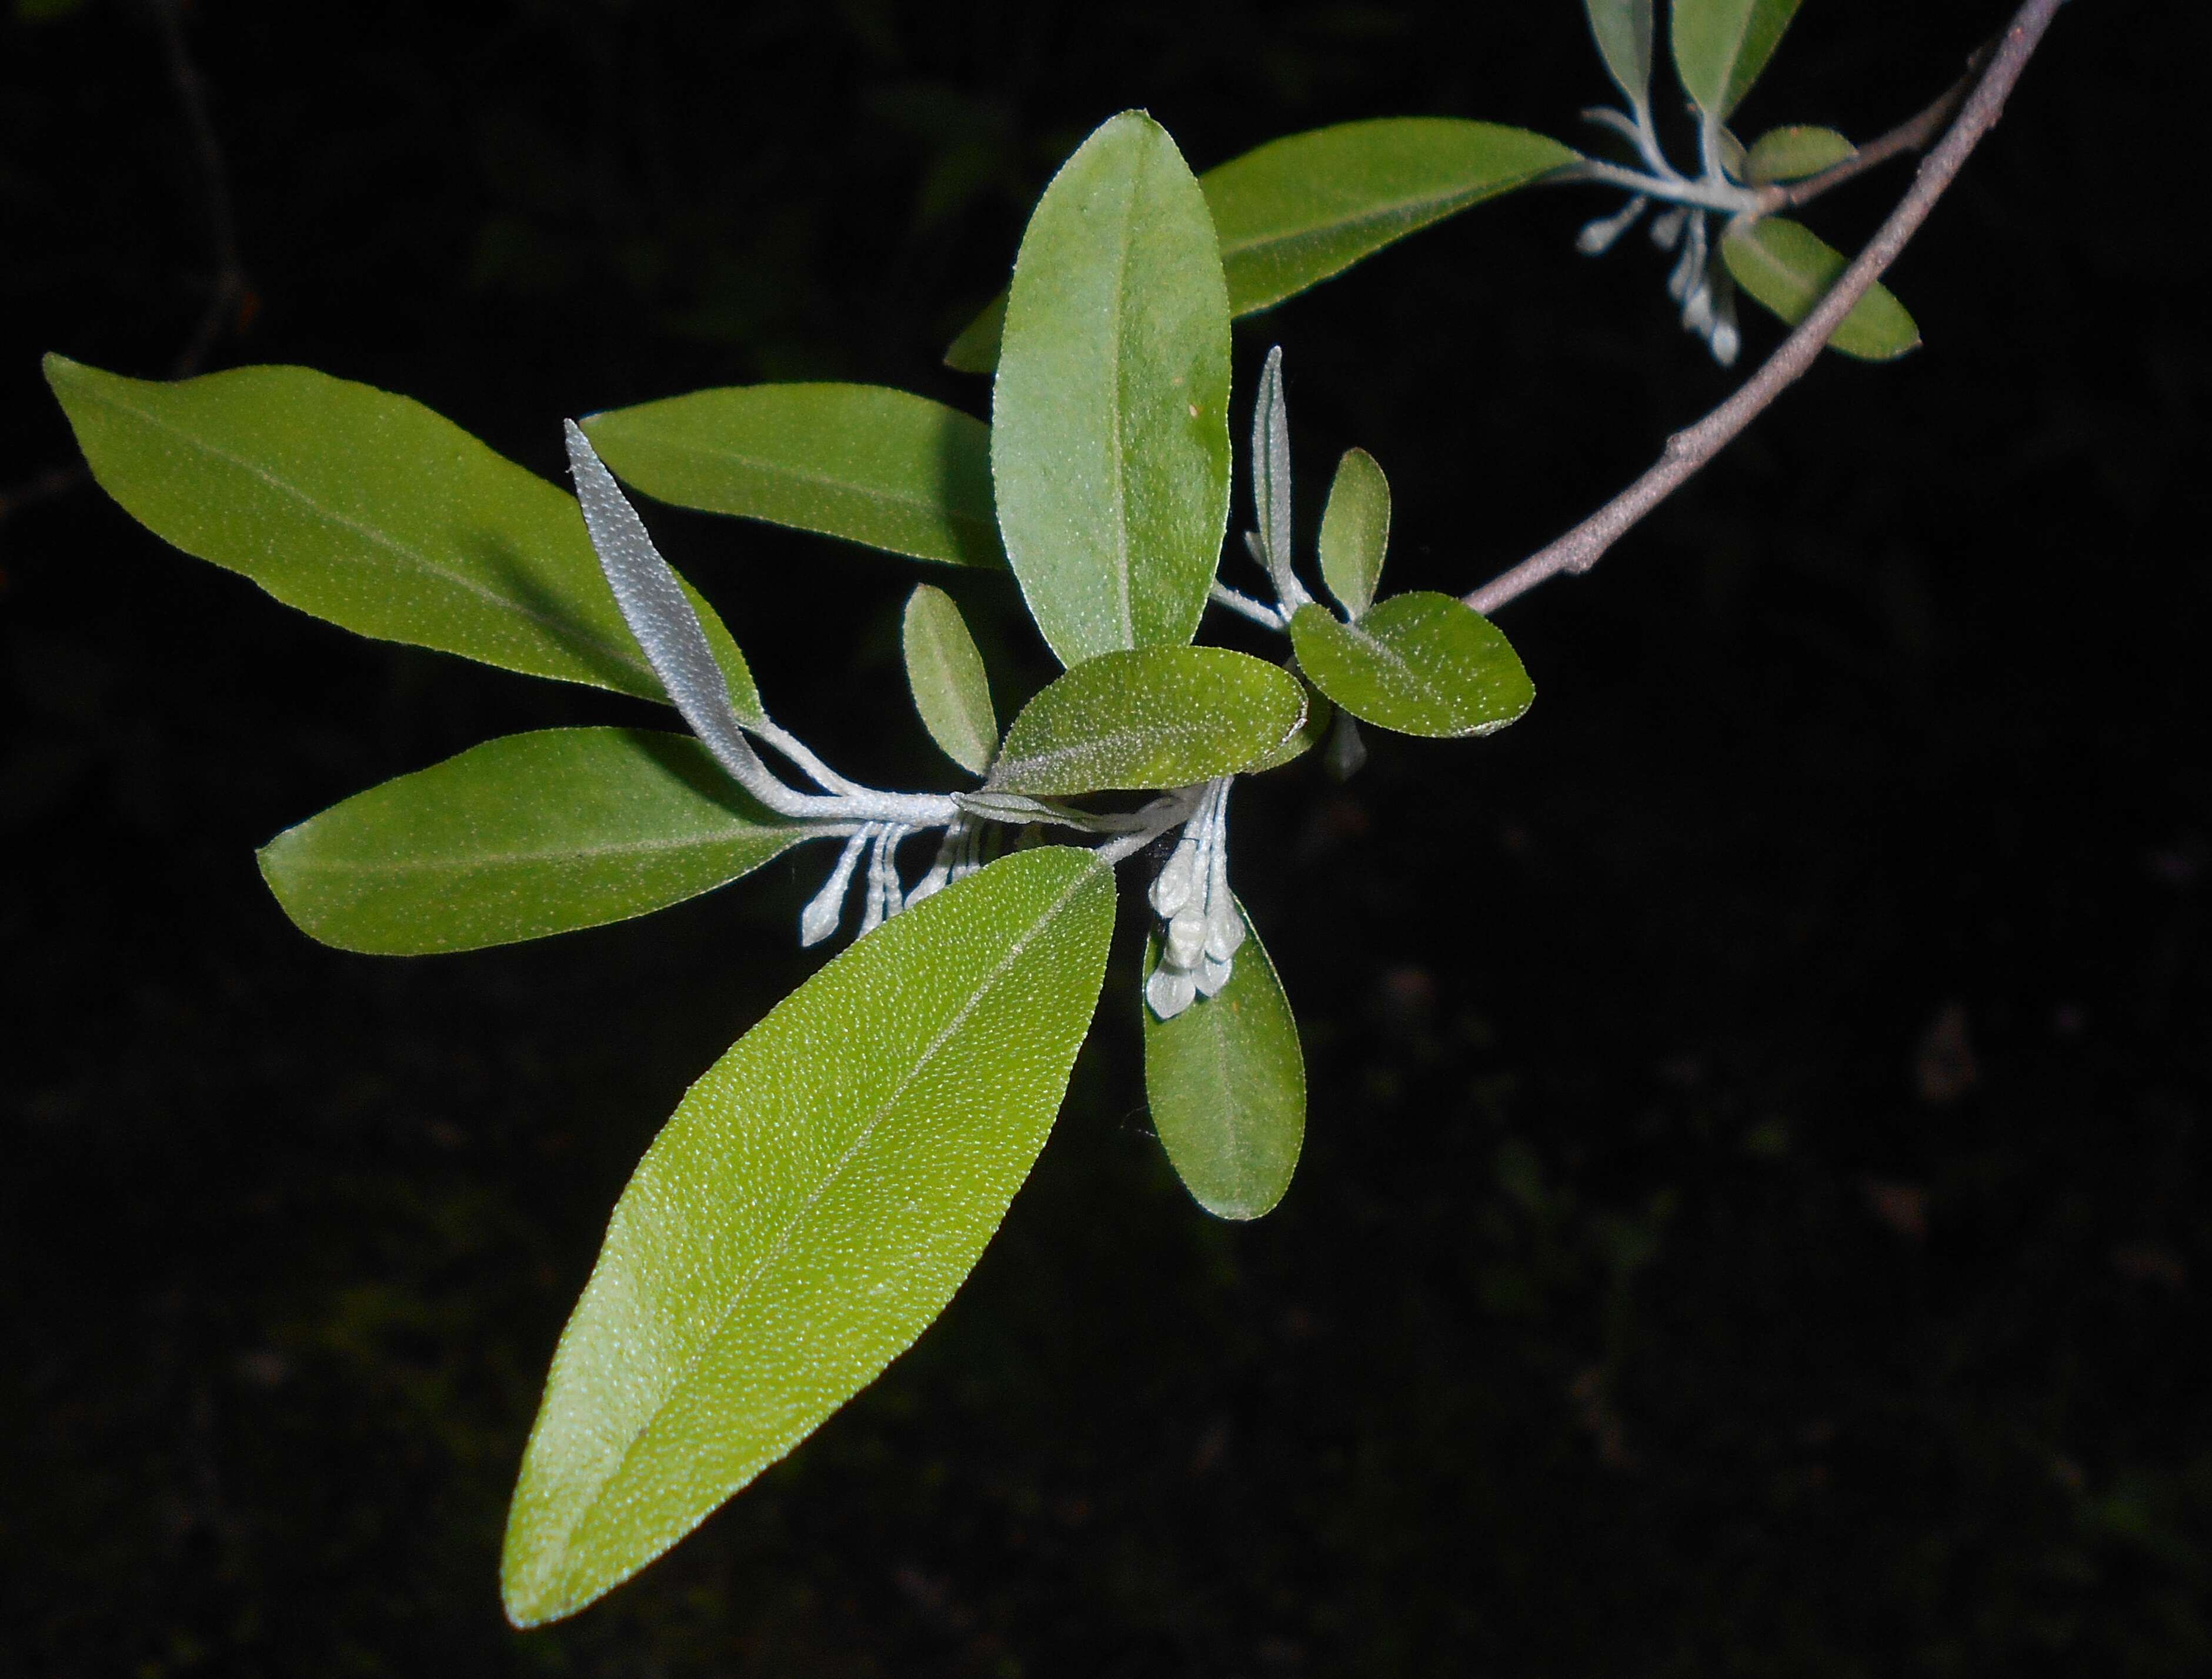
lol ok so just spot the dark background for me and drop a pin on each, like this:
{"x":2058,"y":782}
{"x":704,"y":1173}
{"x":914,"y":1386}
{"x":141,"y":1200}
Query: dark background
{"x":1754,"y":1217}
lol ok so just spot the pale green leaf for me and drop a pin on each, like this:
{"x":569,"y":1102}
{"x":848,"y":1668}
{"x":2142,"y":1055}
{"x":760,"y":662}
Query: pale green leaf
{"x":1158,"y":717}
{"x":1296,"y":210}
{"x":1226,"y":1083}
{"x":1622,"y":29}
{"x":1110,"y":432}
{"x":371,"y":511}
{"x":1355,"y":530}
{"x":1791,"y":153}
{"x":517,"y":838}
{"x":1721,"y":45}
{"x":873,"y":465}
{"x":1788,"y":267}
{"x":811,"y":1206}
{"x":1421,"y":664}
{"x":946,"y":672}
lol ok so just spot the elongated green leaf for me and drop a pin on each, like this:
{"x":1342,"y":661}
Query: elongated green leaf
{"x":1420,"y":663}
{"x":517,"y":838}
{"x":369,"y":510}
{"x":812,"y":1205}
{"x":1109,"y":435}
{"x":1788,"y":268}
{"x":871,"y":465}
{"x":1622,"y":29}
{"x":1355,"y":530}
{"x":946,"y":672}
{"x":1156,"y":717}
{"x":1226,"y":1083}
{"x":1721,"y":45}
{"x":1791,"y":153}
{"x":1296,"y":210}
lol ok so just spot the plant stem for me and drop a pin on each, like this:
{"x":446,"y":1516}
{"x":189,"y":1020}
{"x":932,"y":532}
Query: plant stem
{"x":1686,"y":450}
{"x":1911,"y":135}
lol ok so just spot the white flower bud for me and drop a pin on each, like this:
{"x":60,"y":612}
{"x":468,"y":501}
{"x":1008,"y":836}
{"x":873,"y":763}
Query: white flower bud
{"x":1185,"y":940}
{"x":1169,"y":991}
{"x":1171,"y":890}
{"x":1212,"y":975}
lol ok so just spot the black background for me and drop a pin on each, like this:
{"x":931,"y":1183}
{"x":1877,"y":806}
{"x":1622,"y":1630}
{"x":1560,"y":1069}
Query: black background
{"x":1754,"y":1215}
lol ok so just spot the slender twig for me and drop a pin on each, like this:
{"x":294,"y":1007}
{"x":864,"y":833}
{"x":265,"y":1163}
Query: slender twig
{"x":1686,"y":450}
{"x":227,"y":288}
{"x":1913,"y":135}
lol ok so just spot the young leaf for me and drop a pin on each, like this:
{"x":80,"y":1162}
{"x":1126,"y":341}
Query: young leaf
{"x":1622,"y":29}
{"x":517,"y":838}
{"x":1421,"y":664}
{"x":1296,"y":210}
{"x":873,"y":465}
{"x":1158,"y":717}
{"x":1791,"y":153}
{"x":1788,"y":268}
{"x":1721,"y":45}
{"x":1109,"y":435}
{"x":1226,"y":1083}
{"x":946,"y":672}
{"x":1355,"y":529}
{"x":811,"y":1206}
{"x":369,"y":510}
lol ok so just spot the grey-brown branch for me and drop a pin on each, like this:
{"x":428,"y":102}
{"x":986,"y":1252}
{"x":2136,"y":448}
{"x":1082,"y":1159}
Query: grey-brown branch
{"x":1688,"y":450}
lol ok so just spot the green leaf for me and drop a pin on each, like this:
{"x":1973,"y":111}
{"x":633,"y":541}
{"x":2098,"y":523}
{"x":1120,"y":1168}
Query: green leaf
{"x":1721,"y":45}
{"x":976,"y":349}
{"x":517,"y":838}
{"x":873,"y":465}
{"x":1421,"y":664}
{"x":1226,"y":1083}
{"x":1789,"y":268}
{"x":1109,"y":434}
{"x":1622,"y":29}
{"x":1159,"y":717}
{"x":946,"y":672}
{"x":812,"y":1205}
{"x":369,"y":510}
{"x":1296,"y":210}
{"x":1791,"y":153}
{"x":1355,"y":529}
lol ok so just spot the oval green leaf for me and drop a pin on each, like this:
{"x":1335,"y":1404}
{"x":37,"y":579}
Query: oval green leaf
{"x":1623,"y":30}
{"x":1110,"y":432}
{"x":371,"y":511}
{"x":1421,"y":664}
{"x":812,"y":1205}
{"x":1355,"y":531}
{"x":1156,"y":717}
{"x":1788,"y":267}
{"x":1721,"y":45}
{"x":876,"y":466}
{"x":1793,"y":153}
{"x":946,"y":672}
{"x":1296,"y":210}
{"x":1226,"y":1083}
{"x":520,"y":838}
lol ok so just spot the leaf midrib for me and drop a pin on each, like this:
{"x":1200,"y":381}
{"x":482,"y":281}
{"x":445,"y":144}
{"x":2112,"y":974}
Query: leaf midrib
{"x":376,"y":538}
{"x":987,"y":522}
{"x":520,"y":859}
{"x":738,"y":1296}
{"x":1382,"y":213}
